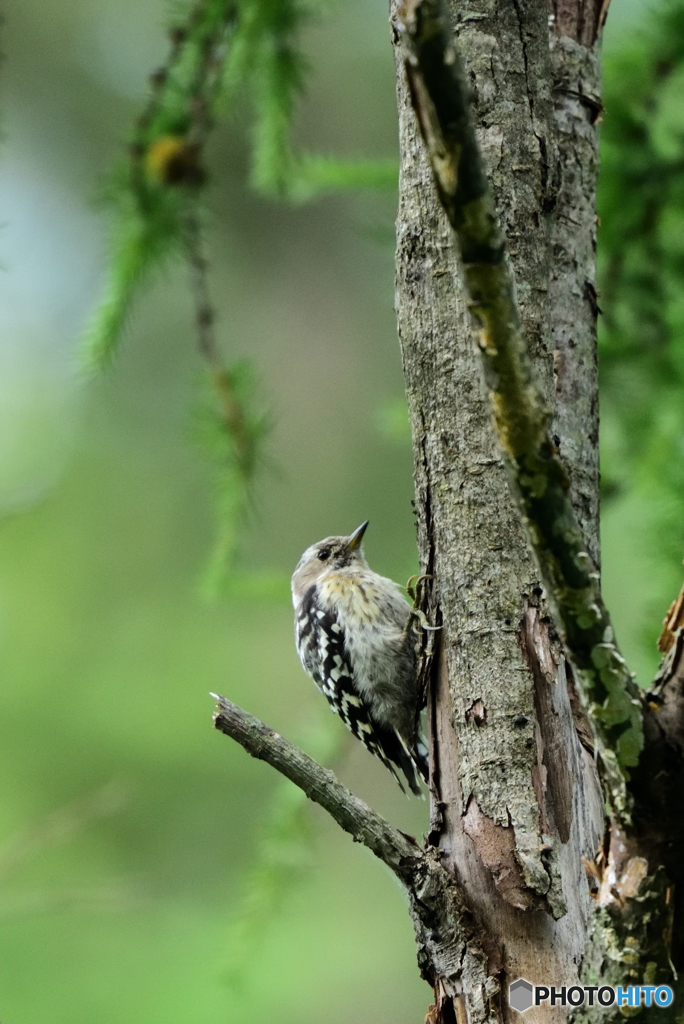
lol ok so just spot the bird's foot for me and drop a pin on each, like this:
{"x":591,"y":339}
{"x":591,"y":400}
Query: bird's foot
{"x":415,"y":590}
{"x":414,"y":587}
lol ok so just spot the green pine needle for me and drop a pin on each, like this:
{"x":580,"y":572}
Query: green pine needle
{"x":641,"y":260}
{"x":320,"y":175}
{"x":140,"y":246}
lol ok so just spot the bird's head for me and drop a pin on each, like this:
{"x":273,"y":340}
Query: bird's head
{"x":331,"y":553}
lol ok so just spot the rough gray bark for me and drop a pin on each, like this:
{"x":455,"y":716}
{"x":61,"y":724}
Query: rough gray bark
{"x":576,"y":72}
{"x":545,"y":928}
{"x":516,"y":802}
{"x":440,"y":97}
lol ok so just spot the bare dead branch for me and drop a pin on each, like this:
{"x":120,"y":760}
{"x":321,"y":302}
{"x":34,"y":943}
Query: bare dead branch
{"x":448,"y":943}
{"x":398,"y":851}
{"x":440,"y":97}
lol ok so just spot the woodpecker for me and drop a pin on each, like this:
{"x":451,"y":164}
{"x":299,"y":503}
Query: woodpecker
{"x":354,"y":636}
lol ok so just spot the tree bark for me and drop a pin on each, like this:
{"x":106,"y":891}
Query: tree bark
{"x":516,"y":802}
{"x":531,"y":867}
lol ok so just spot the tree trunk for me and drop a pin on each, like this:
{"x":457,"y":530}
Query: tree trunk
{"x":535,"y":866}
{"x":516,"y":803}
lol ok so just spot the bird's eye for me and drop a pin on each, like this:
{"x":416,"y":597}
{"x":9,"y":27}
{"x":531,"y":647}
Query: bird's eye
{"x":324,"y":554}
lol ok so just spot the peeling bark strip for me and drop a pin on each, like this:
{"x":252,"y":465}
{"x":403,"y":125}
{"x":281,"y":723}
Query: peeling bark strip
{"x":439,"y":94}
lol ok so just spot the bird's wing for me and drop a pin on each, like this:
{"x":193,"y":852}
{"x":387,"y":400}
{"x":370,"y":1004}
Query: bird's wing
{"x":320,"y":640}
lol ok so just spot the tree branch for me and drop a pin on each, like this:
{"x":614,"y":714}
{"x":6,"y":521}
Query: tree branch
{"x":398,"y":851}
{"x":449,"y":946}
{"x":440,"y":97}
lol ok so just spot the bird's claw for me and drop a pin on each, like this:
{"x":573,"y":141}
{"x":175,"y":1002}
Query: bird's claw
{"x":414,"y":588}
{"x":416,"y":592}
{"x":417,"y":613}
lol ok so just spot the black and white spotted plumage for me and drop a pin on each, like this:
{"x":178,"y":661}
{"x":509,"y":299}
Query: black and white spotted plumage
{"x":353,"y":638}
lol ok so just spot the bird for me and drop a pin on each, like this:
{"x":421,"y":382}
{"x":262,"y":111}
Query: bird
{"x":355,"y":638}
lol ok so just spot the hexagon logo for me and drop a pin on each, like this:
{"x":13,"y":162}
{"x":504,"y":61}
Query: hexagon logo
{"x":520,"y":995}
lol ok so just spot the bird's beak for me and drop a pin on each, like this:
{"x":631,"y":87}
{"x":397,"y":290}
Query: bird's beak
{"x":354,"y":541}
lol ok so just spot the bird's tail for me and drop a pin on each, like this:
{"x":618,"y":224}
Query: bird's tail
{"x":421,"y":757}
{"x":412,"y":758}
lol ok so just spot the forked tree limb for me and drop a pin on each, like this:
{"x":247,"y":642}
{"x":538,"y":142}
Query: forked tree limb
{"x":441,"y":99}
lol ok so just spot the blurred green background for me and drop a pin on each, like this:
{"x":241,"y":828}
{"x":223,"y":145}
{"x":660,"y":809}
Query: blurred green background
{"x":127,"y":826}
